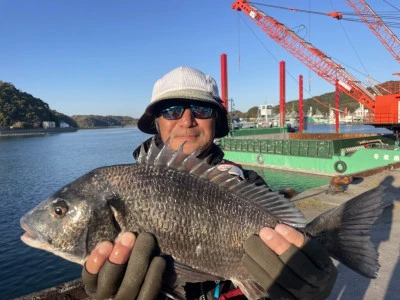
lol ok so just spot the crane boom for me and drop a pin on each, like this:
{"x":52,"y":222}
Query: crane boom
{"x":377,"y":26}
{"x":312,"y":57}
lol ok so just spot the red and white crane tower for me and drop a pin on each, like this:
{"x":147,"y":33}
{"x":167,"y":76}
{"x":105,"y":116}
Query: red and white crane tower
{"x":377,"y":26}
{"x":385,"y":107}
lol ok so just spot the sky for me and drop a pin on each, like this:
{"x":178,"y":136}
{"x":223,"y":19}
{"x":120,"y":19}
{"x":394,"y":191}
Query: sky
{"x":103,"y":57}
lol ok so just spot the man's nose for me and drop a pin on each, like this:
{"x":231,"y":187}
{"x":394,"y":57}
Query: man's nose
{"x":187,"y":118}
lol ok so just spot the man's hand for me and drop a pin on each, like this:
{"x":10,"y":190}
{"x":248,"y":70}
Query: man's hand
{"x":289,"y":265}
{"x":280,"y":239}
{"x":107,"y":271}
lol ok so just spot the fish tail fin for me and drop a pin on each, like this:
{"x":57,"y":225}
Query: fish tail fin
{"x":345,"y":231}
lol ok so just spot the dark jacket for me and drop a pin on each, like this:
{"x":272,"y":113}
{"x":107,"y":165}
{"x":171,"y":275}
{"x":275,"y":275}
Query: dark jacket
{"x":206,"y":290}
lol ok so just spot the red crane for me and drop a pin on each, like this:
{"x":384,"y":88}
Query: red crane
{"x":385,"y":108}
{"x":377,"y":26}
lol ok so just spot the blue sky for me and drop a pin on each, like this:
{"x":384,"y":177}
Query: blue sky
{"x":102,"y":57}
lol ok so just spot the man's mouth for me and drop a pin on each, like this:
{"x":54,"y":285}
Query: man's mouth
{"x":187,"y":137}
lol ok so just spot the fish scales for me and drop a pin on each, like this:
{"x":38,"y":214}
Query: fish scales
{"x":200,"y":215}
{"x":197,"y":222}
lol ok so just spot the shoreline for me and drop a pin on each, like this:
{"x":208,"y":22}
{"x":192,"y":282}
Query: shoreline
{"x":28,"y":132}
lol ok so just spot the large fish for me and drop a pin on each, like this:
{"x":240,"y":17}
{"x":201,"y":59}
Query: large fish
{"x":200,"y":215}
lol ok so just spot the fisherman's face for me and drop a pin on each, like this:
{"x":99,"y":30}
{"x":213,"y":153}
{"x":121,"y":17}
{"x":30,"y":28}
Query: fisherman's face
{"x":196,"y":133}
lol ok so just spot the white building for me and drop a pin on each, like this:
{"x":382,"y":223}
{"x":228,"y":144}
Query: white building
{"x":361,"y":112}
{"x":49,"y":124}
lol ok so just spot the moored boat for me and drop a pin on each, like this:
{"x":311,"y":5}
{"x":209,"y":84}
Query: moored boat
{"x":325,"y":154}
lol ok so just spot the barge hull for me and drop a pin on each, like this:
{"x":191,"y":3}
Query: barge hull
{"x":324,"y":154}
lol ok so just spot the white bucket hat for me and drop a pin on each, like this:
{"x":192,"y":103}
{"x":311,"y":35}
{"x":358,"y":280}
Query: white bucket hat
{"x":185,"y":84}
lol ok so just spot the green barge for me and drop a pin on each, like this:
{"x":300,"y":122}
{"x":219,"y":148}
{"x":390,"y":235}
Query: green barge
{"x":324,"y":154}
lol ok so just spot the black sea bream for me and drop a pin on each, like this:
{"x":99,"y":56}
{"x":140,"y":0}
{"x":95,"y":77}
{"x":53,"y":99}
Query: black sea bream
{"x":200,"y":215}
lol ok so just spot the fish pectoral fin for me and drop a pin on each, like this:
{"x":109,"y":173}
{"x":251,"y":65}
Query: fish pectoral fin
{"x":118,"y":210}
{"x":193,"y":275}
{"x":178,"y":293}
{"x":250,"y":288}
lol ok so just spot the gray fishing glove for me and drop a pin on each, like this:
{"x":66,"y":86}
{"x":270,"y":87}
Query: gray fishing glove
{"x":299,"y":273}
{"x":141,"y":278}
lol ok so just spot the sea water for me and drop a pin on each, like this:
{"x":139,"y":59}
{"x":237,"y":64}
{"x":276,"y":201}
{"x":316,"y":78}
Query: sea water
{"x":34,"y":167}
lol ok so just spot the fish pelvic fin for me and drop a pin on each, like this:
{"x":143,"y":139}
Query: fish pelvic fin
{"x":192,"y":275}
{"x":178,"y":275}
{"x":345,"y":231}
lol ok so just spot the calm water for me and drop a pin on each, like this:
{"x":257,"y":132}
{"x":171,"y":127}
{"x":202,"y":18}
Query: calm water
{"x":325,"y":128}
{"x":32,"y":168}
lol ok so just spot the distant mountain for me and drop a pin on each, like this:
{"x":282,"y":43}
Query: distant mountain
{"x":66,"y":119}
{"x":93,"y":121}
{"x":21,"y":110}
{"x":327,"y":99}
{"x":345,"y":101}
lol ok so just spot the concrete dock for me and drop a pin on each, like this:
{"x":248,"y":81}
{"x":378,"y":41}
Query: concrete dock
{"x":385,"y":236}
{"x":349,"y":285}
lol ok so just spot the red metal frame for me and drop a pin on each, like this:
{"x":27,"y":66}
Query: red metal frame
{"x":301,"y":115}
{"x":312,"y":57}
{"x":377,"y":26}
{"x":323,"y":65}
{"x":224,"y":80}
{"x":337,"y":106}
{"x":282,"y":93}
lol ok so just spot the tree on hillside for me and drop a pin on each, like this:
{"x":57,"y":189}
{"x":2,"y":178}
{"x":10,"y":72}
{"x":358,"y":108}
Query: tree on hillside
{"x":252,"y":112}
{"x":92,"y":121}
{"x":64,"y":118}
{"x":21,"y":108}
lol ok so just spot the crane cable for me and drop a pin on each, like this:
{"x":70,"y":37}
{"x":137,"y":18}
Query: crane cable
{"x":366,"y":75}
{"x":309,"y":40}
{"x":352,"y":17}
{"x":351,"y":44}
{"x":391,"y":5}
{"x":277,"y":61}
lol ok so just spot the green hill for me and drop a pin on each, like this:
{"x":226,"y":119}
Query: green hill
{"x":21,"y":110}
{"x":93,"y":121}
{"x":328,"y":99}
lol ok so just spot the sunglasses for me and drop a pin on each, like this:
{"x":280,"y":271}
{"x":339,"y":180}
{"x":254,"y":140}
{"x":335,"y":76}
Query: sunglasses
{"x":176,"y":112}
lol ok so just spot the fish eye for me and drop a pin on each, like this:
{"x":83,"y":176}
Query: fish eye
{"x":59,"y":209}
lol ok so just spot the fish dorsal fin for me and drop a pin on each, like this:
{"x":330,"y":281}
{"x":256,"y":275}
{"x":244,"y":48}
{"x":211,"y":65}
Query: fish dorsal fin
{"x":261,"y":196}
{"x":153,"y":152}
{"x":177,"y":158}
{"x":164,"y":156}
{"x":142,"y":155}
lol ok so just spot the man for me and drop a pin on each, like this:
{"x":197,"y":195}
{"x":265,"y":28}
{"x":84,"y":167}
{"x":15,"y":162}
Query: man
{"x":186,"y":109}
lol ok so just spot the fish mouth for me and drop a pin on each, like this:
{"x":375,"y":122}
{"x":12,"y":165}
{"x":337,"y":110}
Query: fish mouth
{"x":31,"y":238}
{"x":34,"y":239}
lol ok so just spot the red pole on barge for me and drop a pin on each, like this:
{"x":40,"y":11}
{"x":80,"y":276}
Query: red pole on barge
{"x":337,"y":107}
{"x":224,"y":80}
{"x":301,"y":118}
{"x":282,"y":93}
